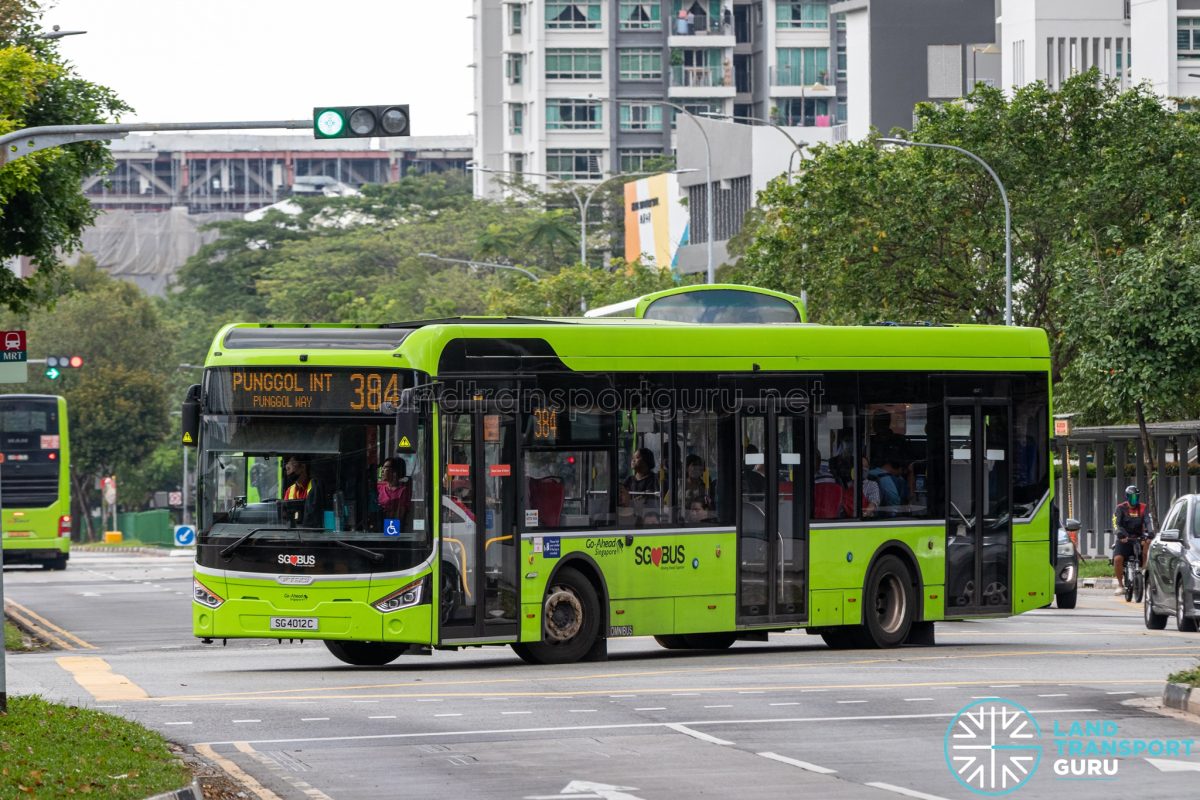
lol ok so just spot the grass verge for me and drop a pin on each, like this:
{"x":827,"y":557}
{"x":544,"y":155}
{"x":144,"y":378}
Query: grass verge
{"x":50,"y":750}
{"x":13,"y":640}
{"x":1095,"y":568}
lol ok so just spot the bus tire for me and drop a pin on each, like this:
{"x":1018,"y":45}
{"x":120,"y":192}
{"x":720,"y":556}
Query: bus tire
{"x":697,"y":641}
{"x":59,"y":563}
{"x":570,"y":621}
{"x":671,"y":641}
{"x":889,"y":603}
{"x":365,"y":654}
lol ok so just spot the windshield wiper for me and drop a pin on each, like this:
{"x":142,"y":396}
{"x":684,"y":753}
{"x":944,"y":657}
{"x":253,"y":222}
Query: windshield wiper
{"x":374,"y":556}
{"x":227,"y":551}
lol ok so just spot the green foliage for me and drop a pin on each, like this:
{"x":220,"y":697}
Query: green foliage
{"x":915,"y":233}
{"x":13,"y":640}
{"x":567,"y":291}
{"x":42,"y":209}
{"x":117,"y":402}
{"x":52,"y":750}
{"x":1188,"y":677}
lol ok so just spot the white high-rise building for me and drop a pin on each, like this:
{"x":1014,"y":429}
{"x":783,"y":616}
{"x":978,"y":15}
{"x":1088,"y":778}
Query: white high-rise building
{"x":1050,"y":40}
{"x":573,"y":89}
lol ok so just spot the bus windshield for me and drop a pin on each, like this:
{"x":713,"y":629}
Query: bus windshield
{"x":310,"y":481}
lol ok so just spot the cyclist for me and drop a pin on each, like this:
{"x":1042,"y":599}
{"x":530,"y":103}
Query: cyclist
{"x":1133,"y":530}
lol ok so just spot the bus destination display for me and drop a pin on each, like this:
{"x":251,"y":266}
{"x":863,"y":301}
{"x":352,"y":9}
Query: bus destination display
{"x":284,"y":389}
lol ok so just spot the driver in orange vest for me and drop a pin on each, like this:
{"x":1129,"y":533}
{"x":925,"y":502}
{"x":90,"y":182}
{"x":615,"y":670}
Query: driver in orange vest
{"x":302,"y":484}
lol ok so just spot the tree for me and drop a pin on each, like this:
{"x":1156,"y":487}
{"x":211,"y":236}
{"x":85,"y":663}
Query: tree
{"x":564,"y":293}
{"x":42,"y":209}
{"x":117,"y":403}
{"x":915,"y":233}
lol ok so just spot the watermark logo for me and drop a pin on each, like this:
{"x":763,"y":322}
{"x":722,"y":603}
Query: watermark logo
{"x":993,"y":746}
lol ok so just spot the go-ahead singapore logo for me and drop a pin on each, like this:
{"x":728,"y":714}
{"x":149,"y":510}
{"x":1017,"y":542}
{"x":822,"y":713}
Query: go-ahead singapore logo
{"x":993,"y":746}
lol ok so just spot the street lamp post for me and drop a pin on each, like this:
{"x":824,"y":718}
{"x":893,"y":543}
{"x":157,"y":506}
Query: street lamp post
{"x":472,"y":263}
{"x":1008,"y":318}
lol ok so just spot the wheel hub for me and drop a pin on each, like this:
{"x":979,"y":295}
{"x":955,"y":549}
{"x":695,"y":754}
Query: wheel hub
{"x":890,"y":604}
{"x":563,"y":614}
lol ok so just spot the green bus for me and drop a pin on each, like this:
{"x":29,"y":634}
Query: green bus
{"x":550,"y":484}
{"x":35,"y":480}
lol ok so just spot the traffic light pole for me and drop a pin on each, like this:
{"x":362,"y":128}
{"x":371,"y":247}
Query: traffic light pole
{"x":30,"y":140}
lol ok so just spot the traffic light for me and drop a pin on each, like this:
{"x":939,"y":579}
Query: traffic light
{"x":56,"y":364}
{"x":357,"y":122}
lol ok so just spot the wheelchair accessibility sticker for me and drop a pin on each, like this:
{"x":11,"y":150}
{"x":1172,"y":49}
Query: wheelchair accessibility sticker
{"x":391,"y":527}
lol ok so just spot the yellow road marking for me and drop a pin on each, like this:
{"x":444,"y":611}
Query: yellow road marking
{"x":235,"y":771}
{"x":95,"y":675}
{"x":44,"y":627}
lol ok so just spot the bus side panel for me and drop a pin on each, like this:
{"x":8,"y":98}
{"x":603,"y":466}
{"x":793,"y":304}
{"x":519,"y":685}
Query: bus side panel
{"x":1033,"y":576}
{"x":841,"y":556}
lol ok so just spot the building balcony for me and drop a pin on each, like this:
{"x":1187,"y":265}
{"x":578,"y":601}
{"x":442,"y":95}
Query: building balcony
{"x":701,"y":39}
{"x":701,"y":82}
{"x":792,"y":82}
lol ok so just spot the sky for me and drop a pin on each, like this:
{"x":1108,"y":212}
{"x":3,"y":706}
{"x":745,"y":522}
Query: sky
{"x":226,"y":60}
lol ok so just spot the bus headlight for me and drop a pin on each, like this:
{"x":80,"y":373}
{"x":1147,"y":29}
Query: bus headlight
{"x":407,"y":597}
{"x":203,"y":596}
{"x":1065,"y":548}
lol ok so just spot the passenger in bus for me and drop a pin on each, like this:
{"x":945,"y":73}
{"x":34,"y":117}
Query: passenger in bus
{"x":394,"y":490}
{"x":871,"y":493}
{"x":694,"y":486}
{"x":827,"y":491}
{"x":893,"y":488}
{"x":754,"y":479}
{"x":639,"y":490}
{"x":699,"y":512}
{"x":303,"y":486}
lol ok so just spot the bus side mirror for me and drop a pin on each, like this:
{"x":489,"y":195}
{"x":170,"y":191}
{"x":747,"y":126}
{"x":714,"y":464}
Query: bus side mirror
{"x":190,"y":421}
{"x":1072,"y":525}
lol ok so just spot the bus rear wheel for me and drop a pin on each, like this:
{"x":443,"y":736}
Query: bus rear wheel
{"x":570,"y":621}
{"x":889,"y":603}
{"x":365,"y":654}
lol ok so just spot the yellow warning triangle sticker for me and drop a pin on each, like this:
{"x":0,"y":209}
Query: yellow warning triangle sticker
{"x":404,"y":442}
{"x":187,"y":438}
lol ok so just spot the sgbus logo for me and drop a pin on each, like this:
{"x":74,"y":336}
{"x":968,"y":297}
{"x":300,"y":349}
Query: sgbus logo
{"x":660,"y":556}
{"x":298,"y":561}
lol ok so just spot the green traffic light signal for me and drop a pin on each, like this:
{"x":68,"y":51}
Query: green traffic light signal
{"x":52,"y":373}
{"x":358,"y":122}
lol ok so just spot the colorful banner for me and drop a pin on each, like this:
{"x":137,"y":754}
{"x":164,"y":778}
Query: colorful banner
{"x":656,"y":222}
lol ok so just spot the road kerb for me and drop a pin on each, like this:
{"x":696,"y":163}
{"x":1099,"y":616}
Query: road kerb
{"x":1182,"y":697}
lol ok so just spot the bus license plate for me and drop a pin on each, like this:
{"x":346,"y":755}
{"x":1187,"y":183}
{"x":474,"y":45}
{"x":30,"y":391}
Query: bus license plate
{"x":293,"y":623}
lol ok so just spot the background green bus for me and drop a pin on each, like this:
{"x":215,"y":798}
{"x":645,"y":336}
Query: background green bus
{"x":35,"y":481}
{"x":860,"y":483}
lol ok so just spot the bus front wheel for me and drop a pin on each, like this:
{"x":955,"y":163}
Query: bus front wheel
{"x":889,"y":603}
{"x":570,"y":621}
{"x":365,"y":654}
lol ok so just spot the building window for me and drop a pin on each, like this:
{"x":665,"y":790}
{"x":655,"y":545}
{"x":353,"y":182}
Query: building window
{"x":635,"y":159}
{"x":700,"y":108}
{"x":573,"y":64}
{"x":574,"y":165}
{"x":514,"y":65}
{"x":638,"y":16}
{"x":695,"y":15}
{"x":641,"y":117}
{"x":583,"y":14}
{"x":801,"y":66}
{"x":841,"y":61}
{"x":1188,"y":37}
{"x":810,"y":14}
{"x":514,"y":18}
{"x":807,"y":111}
{"x":572,"y":115}
{"x":516,"y":118}
{"x":516,"y":163}
{"x":641,"y":64}
{"x":840,"y":21}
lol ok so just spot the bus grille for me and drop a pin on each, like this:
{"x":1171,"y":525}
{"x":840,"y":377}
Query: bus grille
{"x":19,"y":491}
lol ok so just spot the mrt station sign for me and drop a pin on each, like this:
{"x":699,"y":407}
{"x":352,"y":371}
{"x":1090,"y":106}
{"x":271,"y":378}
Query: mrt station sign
{"x":14,"y":355}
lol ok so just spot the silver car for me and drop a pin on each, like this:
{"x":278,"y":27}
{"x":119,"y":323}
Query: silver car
{"x":1173,"y":568}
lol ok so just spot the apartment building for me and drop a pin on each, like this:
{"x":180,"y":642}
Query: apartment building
{"x":573,"y":89}
{"x":1050,"y":40}
{"x":1167,"y":33}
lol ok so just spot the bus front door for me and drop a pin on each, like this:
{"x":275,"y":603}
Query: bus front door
{"x":772,"y":515}
{"x":479,"y":542}
{"x":979,"y":504}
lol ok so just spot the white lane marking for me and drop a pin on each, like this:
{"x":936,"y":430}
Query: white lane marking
{"x":635,"y":725}
{"x":724,"y":706}
{"x":506,"y":713}
{"x":1056,"y":694}
{"x":844,"y":702}
{"x":622,"y":695}
{"x":447,"y":715}
{"x":1120,"y":692}
{"x":887,"y":787}
{"x":177,"y":723}
{"x":916,"y":699}
{"x":314,"y":719}
{"x":429,"y":699}
{"x":814,"y":690}
{"x":797,"y":763}
{"x":783,"y":704}
{"x":651,"y":708}
{"x":1003,"y":685}
{"x":581,"y":711}
{"x":704,"y":737}
{"x":755,"y":692}
{"x":241,"y":721}
{"x":384,"y":716}
{"x":685,"y":694}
